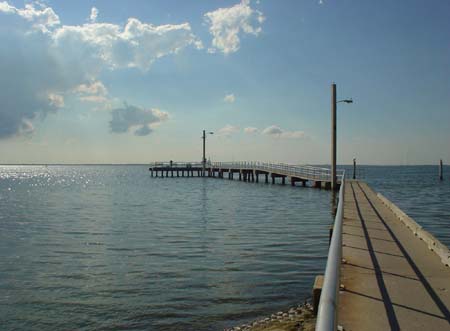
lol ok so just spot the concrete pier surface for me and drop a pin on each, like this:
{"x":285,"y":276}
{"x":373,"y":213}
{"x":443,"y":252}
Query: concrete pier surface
{"x":391,"y":279}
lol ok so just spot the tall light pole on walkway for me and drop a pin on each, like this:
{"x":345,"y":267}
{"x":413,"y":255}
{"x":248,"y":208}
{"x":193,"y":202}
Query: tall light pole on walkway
{"x":204,"y":155}
{"x":333,"y":133}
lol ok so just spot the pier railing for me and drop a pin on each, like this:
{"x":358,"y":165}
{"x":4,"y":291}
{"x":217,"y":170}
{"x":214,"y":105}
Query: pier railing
{"x":300,"y":171}
{"x":327,"y":313}
{"x":306,"y":172}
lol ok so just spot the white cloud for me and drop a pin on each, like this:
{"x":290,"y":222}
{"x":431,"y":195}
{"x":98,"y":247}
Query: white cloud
{"x":56,"y":100}
{"x":226,"y":25}
{"x":272,"y":130}
{"x":250,"y":130}
{"x":92,"y":92}
{"x":228,"y":130}
{"x":277,"y":132}
{"x":229,"y":98}
{"x":135,"y":45}
{"x":42,"y":18}
{"x":138,"y":120}
{"x":42,"y":60}
{"x":94,"y":15}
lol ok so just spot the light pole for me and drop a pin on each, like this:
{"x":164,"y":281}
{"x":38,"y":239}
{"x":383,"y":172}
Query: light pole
{"x":333,"y":133}
{"x":204,"y":155}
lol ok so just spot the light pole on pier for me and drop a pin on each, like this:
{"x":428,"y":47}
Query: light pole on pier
{"x":204,"y":155}
{"x":333,"y":133}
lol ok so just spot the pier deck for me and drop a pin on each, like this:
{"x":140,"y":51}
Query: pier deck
{"x":391,"y":279}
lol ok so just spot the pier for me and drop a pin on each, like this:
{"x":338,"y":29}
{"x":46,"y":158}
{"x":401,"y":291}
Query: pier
{"x":248,"y":172}
{"x":383,"y":272}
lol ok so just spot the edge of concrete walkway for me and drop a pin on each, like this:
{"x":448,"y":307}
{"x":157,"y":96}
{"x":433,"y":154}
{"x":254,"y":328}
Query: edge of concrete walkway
{"x":433,"y":243}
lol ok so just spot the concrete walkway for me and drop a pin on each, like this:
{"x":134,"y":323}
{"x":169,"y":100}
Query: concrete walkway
{"x":392,"y":280}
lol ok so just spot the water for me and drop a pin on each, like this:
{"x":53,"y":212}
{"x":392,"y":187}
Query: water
{"x":108,"y":247}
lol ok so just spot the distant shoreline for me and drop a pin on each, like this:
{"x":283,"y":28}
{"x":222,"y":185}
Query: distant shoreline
{"x":146,"y":164}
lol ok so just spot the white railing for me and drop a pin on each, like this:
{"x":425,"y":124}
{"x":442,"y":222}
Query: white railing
{"x":300,"y":171}
{"x":184,"y":164}
{"x":327,"y":313}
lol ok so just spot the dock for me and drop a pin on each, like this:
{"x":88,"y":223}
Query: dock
{"x":248,"y":172}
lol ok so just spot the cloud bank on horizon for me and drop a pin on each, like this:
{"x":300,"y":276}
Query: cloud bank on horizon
{"x":44,"y":61}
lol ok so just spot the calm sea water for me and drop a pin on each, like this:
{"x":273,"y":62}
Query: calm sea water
{"x":108,"y":247}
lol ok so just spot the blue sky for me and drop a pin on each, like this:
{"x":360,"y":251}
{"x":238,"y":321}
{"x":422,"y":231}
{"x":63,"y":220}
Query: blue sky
{"x":137,"y":81}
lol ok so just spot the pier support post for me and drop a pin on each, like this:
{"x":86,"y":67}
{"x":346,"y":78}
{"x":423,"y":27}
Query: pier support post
{"x":283,"y":180}
{"x":292,"y":181}
{"x":354,"y":168}
{"x":317,"y":290}
{"x":257,"y":176}
{"x":441,"y":170}
{"x":267,"y":178}
{"x":240,"y":175}
{"x":273,"y":179}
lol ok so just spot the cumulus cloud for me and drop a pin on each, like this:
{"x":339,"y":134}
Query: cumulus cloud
{"x":227,"y":24}
{"x":250,"y":130}
{"x":41,"y":18}
{"x":228,"y":130}
{"x":135,"y":45}
{"x":42,"y":60}
{"x":134,"y":119}
{"x":94,"y":14}
{"x":92,"y":92}
{"x":277,"y":132}
{"x":229,"y":98}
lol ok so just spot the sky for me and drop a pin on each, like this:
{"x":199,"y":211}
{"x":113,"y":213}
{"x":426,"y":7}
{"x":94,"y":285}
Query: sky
{"x":137,"y":81}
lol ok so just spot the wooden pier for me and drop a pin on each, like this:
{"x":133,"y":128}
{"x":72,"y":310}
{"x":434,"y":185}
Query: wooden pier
{"x":247,"y":172}
{"x":395,"y":275}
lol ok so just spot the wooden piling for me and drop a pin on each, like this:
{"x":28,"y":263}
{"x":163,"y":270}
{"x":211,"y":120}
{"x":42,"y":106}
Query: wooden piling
{"x":441,"y":170}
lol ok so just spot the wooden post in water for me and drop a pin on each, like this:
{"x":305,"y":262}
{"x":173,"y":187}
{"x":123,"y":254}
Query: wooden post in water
{"x":441,"y":170}
{"x":354,"y":168}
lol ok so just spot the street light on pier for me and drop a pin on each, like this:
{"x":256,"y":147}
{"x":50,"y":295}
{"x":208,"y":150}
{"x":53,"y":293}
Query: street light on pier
{"x":204,"y":155}
{"x":333,"y":133}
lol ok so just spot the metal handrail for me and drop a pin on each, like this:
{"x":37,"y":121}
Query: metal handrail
{"x":327,"y":313}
